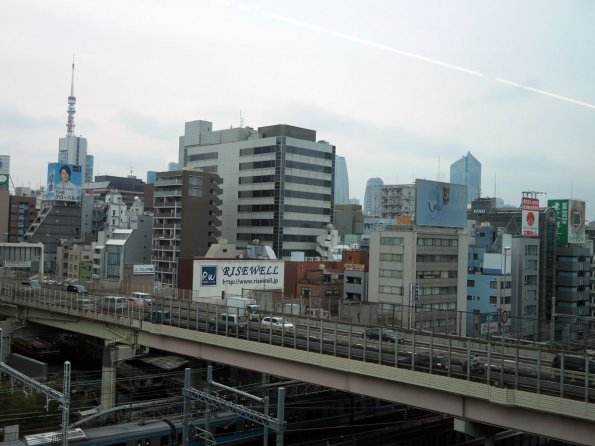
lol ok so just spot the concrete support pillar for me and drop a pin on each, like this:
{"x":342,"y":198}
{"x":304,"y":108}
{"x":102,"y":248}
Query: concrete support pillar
{"x":108,"y":377}
{"x":477,"y":430}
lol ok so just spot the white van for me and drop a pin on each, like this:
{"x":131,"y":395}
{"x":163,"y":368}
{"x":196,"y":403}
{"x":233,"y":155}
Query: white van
{"x":116,"y":303}
{"x":84,"y":303}
{"x":145,"y":297}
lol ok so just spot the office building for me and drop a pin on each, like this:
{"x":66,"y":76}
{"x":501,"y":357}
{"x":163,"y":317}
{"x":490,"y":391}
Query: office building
{"x":397,"y":201}
{"x":277,"y":182}
{"x":341,"y":181}
{"x":419,"y":276}
{"x":467,"y":171}
{"x":186,"y":219}
{"x":21,"y":215}
{"x":372,"y":197}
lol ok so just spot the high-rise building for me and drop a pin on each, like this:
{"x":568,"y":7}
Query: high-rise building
{"x":372,"y":196}
{"x":88,"y":173}
{"x":341,"y":181}
{"x":73,"y":149}
{"x":186,"y":219}
{"x":397,"y":200}
{"x":467,"y":171}
{"x":173,"y":166}
{"x":151,"y":175}
{"x":277,"y":182}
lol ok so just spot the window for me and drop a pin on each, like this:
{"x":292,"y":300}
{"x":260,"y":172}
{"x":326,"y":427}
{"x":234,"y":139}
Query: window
{"x":391,"y":240}
{"x":531,"y":250}
{"x":470,"y":283}
{"x":530,"y":280}
{"x":389,"y":257}
{"x":493,"y":300}
{"x":391,"y":273}
{"x":493,"y":284}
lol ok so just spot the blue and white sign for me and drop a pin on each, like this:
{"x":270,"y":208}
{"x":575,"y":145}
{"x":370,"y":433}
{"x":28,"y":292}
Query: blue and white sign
{"x":208,"y":275}
{"x":232,"y":277}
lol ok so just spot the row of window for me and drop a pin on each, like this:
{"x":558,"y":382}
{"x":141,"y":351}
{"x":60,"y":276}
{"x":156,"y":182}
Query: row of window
{"x":203,"y":156}
{"x":309,"y":152}
{"x":257,"y":150}
{"x":391,"y":240}
{"x":436,"y":258}
{"x":437,"y":290}
{"x":424,"y":241}
{"x":436,"y":274}
{"x":435,"y":307}
{"x":308,"y":167}
{"x":389,"y":257}
{"x":391,"y":273}
{"x":266,"y":164}
{"x":258,"y":179}
{"x":287,"y":193}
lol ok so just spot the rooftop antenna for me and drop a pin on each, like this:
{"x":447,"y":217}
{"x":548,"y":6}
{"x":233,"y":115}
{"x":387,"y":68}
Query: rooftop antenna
{"x":241,"y":119}
{"x":71,"y":105}
{"x":438,"y":179}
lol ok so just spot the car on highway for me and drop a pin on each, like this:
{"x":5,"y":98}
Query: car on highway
{"x":84,"y":303}
{"x":231,"y":321}
{"x":76,"y":288}
{"x":439,"y":361}
{"x":31,"y":284}
{"x":137,"y":302}
{"x":385,"y":334}
{"x":276,"y":323}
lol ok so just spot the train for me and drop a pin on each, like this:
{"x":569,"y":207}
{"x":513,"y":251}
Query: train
{"x":322,"y":410}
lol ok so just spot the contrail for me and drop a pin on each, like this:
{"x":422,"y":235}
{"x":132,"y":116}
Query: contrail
{"x":546,"y":93}
{"x":370,"y":43}
{"x":420,"y":57}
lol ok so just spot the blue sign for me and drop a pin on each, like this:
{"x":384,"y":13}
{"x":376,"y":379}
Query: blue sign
{"x":440,"y":204}
{"x":208,"y":276}
{"x":64,"y":182}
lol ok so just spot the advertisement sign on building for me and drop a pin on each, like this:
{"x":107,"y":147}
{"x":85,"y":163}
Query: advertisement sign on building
{"x":143,"y":269}
{"x":377,"y":224}
{"x":530,"y":209}
{"x":355,"y":267}
{"x":4,"y":171}
{"x":570,"y":218}
{"x":213,"y":277}
{"x":440,"y":204}
{"x":64,"y":182}
{"x":5,"y":164}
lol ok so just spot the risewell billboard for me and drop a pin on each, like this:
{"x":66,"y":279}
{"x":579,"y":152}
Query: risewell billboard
{"x":212,"y":278}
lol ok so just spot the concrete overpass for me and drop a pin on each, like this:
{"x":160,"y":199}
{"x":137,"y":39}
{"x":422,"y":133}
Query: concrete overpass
{"x":485,"y":404}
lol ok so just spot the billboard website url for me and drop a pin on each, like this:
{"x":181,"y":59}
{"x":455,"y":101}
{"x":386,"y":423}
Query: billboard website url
{"x":250,"y":281}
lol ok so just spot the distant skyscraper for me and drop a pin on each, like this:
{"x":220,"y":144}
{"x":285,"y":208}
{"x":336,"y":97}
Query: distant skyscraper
{"x":89,"y":169}
{"x":467,"y":171}
{"x":372,"y":196}
{"x":172,"y":167}
{"x":341,"y":181}
{"x":151,"y":175}
{"x":73,"y":149}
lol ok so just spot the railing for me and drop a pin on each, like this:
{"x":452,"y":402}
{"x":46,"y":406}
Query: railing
{"x":504,"y":364}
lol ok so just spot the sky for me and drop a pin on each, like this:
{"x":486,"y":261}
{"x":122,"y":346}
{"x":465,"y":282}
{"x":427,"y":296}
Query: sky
{"x":401,"y":88}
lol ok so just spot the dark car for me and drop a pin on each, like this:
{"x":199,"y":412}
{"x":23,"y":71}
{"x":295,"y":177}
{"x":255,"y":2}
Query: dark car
{"x":574,"y":363}
{"x":439,"y":361}
{"x":75,"y":288}
{"x":385,"y":334}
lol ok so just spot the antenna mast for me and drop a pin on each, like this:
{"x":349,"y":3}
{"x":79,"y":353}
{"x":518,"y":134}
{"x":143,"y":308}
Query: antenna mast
{"x":71,"y":105}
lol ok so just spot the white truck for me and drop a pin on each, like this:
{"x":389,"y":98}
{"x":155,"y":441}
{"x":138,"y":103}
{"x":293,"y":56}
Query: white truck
{"x":243,"y":306}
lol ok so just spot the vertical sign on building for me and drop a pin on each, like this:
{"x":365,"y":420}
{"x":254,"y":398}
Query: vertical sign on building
{"x":570,"y":218}
{"x":530,"y":208}
{"x":4,"y":171}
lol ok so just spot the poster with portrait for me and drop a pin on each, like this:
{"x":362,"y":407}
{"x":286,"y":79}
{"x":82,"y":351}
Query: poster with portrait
{"x":64,"y":182}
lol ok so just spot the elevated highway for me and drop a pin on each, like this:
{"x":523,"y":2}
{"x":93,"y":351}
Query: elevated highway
{"x":519,"y":390}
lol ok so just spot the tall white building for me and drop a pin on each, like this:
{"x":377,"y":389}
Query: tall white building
{"x":341,"y":181}
{"x":277,"y":182}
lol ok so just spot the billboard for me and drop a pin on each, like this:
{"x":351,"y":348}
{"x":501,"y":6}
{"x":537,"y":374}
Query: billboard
{"x":570,"y":218}
{"x":5,"y":164}
{"x":4,"y":180}
{"x":64,"y":182}
{"x":213,"y":277}
{"x":530,"y":209}
{"x":440,"y":204}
